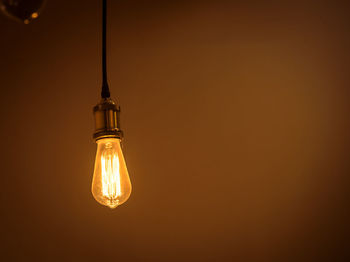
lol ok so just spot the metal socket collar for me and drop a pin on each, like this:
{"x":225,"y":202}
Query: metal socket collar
{"x":107,"y":120}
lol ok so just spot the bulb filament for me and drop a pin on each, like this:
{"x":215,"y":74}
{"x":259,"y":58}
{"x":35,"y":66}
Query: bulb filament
{"x":111,"y":186}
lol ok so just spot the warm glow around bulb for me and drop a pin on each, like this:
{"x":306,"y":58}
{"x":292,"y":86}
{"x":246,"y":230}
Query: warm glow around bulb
{"x":111,"y":184}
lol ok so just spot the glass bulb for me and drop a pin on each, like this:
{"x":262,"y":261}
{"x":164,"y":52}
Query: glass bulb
{"x":111,"y":183}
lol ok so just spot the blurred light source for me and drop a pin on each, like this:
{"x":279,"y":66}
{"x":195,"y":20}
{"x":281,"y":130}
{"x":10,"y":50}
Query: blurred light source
{"x":23,"y":11}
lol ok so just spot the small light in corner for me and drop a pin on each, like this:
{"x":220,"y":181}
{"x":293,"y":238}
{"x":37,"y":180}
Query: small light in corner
{"x":22,"y":11}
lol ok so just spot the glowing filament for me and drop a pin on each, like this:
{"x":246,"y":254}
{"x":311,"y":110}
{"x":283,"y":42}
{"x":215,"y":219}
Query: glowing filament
{"x":111,"y":187}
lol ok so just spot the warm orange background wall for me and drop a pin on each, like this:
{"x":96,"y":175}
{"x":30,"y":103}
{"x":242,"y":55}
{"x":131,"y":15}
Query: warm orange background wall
{"x":236,"y":121}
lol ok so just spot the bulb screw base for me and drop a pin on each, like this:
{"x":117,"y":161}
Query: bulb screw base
{"x":107,"y":120}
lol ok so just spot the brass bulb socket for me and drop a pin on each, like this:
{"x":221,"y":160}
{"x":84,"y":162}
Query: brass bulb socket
{"x":107,"y":120}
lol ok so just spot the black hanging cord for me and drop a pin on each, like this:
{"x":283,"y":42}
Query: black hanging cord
{"x":105,"y":89}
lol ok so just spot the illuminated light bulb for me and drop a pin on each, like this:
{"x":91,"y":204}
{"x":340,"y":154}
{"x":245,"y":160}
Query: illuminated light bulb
{"x":23,"y":11}
{"x":111,"y":184}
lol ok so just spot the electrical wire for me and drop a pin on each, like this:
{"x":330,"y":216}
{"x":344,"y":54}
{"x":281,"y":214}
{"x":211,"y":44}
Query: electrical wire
{"x":105,"y":89}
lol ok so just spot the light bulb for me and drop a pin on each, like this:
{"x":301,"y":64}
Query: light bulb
{"x":111,"y":183}
{"x":23,"y":11}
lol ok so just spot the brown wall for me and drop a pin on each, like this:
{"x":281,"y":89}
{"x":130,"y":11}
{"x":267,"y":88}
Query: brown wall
{"x":236,"y":116}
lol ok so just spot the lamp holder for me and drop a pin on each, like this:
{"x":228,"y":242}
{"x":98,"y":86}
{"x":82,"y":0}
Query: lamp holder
{"x":107,"y":120}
